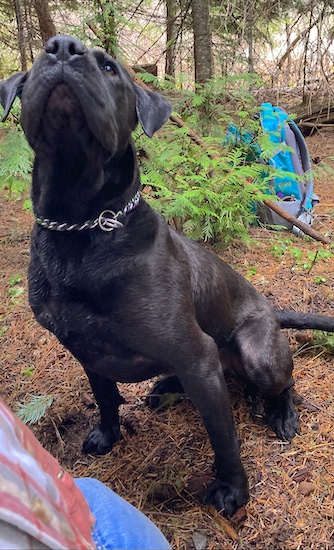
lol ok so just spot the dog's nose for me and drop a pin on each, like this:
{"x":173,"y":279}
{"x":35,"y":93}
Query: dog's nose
{"x":64,"y":47}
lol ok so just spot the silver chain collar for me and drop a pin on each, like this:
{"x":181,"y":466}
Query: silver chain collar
{"x":107,"y":220}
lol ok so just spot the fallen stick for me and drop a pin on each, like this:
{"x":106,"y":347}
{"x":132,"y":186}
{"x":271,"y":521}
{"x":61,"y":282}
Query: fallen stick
{"x":295,"y":221}
{"x":307,"y":229}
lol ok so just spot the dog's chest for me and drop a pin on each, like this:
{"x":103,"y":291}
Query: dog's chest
{"x":90,"y":327}
{"x":95,"y":341}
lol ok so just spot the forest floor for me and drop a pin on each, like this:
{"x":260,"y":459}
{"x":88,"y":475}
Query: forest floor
{"x":165,"y":458}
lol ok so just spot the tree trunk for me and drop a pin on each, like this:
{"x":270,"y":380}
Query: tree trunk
{"x":20,"y":34}
{"x":110,"y":32}
{"x":288,"y":58}
{"x":249,"y":35}
{"x":107,"y":24}
{"x":46,"y":24}
{"x":170,"y":37}
{"x":202,"y":41}
{"x":29,"y":27}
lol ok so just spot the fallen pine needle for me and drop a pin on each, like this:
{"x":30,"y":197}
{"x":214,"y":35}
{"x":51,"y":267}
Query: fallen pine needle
{"x":223,"y":523}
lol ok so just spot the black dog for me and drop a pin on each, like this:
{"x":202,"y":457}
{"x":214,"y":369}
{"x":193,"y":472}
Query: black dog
{"x":128,"y":296}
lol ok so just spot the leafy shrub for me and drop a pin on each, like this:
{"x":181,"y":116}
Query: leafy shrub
{"x":208,"y":198}
{"x":205,"y":197}
{"x":15,"y":161}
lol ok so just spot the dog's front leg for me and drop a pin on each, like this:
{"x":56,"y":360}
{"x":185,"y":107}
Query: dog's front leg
{"x":206,"y":386}
{"x":102,"y":438}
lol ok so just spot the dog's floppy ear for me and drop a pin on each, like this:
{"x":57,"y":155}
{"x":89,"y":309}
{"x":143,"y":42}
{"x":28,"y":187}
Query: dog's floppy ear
{"x":9,"y":90}
{"x":152,"y":110}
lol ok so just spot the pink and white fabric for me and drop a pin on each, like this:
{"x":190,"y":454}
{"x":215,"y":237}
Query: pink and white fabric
{"x":40,"y":506}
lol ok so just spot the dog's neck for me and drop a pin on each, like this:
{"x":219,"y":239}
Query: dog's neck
{"x":73,"y":190}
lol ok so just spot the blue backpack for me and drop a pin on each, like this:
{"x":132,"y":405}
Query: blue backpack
{"x":291,"y":156}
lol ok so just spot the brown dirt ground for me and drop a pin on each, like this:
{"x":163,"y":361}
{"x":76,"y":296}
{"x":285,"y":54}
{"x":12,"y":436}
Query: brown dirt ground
{"x":165,"y":458}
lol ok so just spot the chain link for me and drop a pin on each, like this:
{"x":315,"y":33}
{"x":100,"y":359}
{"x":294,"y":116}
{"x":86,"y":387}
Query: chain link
{"x":107,"y":220}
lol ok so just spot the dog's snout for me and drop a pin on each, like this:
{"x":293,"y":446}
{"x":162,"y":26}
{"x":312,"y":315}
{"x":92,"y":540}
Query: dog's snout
{"x":64,"y":47}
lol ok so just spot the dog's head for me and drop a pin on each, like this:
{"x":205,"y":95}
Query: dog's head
{"x":82,"y":93}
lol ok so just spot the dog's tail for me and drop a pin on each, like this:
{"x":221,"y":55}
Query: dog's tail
{"x":293,"y":319}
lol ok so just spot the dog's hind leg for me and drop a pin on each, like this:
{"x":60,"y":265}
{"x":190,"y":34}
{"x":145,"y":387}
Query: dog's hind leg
{"x":267,"y":364}
{"x":102,"y":438}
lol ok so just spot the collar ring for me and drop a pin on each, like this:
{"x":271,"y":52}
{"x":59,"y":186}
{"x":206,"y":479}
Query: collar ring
{"x":108,"y":221}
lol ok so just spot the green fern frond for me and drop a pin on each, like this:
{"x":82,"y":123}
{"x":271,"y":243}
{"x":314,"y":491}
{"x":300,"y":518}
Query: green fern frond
{"x":16,"y":161}
{"x":32,"y":411}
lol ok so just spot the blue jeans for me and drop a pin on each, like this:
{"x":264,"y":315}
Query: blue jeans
{"x":119,"y":525}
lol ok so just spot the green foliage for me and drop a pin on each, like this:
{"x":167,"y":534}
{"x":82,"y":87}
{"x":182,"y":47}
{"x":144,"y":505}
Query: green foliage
{"x":302,"y":259}
{"x":32,"y":411}
{"x":319,"y":280}
{"x":307,"y":260}
{"x":3,"y":327}
{"x":15,"y":162}
{"x":277,"y":251}
{"x":251,"y":272}
{"x":208,"y":198}
{"x":15,"y":294}
{"x":14,"y":280}
{"x":324,"y":340}
{"x":29,"y":371}
{"x":15,"y":290}
{"x":106,"y":16}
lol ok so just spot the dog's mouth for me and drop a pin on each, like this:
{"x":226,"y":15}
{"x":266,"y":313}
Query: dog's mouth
{"x":63,"y":125}
{"x":61,"y":100}
{"x":63,"y":114}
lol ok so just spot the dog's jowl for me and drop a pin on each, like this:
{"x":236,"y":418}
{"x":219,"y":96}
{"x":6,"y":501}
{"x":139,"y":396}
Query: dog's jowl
{"x":128,"y":296}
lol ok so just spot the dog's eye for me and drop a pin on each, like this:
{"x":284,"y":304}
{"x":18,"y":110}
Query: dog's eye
{"x":108,"y":68}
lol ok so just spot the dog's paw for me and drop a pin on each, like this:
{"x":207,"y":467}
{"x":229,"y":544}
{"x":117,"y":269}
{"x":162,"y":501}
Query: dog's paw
{"x":165,"y":393}
{"x":101,"y":442}
{"x":227,"y":497}
{"x":282,"y":416}
{"x":285,"y":423}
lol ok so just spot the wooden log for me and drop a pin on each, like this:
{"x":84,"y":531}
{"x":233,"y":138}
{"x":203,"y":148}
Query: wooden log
{"x":316,"y":124}
{"x":319,"y":113}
